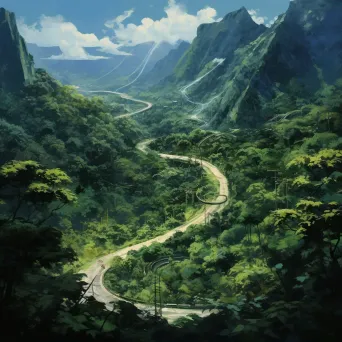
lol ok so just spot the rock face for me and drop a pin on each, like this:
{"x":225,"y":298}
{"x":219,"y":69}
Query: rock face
{"x":261,"y":71}
{"x":218,"y":40}
{"x":301,"y":51}
{"x":321,"y":23}
{"x":16,"y":64}
{"x":296,"y":57}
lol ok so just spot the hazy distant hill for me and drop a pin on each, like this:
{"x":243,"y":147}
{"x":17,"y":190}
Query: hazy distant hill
{"x":165,"y":66}
{"x":69,"y":71}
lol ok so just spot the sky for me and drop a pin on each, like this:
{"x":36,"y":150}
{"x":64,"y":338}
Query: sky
{"x":110,"y":25}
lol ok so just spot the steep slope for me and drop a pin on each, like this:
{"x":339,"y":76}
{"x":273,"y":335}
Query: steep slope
{"x":261,"y":72}
{"x":265,"y":72}
{"x":200,"y":72}
{"x":165,"y":66}
{"x":300,"y":55}
{"x":17,"y":65}
{"x":321,"y":21}
{"x":218,"y":40}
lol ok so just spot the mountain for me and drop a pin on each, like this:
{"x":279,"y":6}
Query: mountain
{"x":200,"y":70}
{"x":41,"y":53}
{"x":17,"y":67}
{"x":165,"y":66}
{"x":289,"y":63}
{"x":266,"y":71}
{"x":218,"y":40}
{"x":321,"y":25}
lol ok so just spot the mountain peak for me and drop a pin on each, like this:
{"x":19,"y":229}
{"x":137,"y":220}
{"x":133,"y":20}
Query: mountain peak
{"x":218,"y":40}
{"x":239,"y":19}
{"x":241,"y":16}
{"x":242,"y":11}
{"x":5,"y":15}
{"x":16,"y":65}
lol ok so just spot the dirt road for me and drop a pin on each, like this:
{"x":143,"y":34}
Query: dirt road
{"x":96,"y":270}
{"x":149,"y":105}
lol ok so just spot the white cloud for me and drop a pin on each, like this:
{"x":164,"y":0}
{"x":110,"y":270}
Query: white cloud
{"x":176,"y":25}
{"x":75,"y":54}
{"x":254,"y":13}
{"x":118,"y":20}
{"x":54,"y":31}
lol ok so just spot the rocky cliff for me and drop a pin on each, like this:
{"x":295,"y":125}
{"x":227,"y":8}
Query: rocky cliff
{"x":218,"y":40}
{"x":298,"y":57}
{"x":290,"y":62}
{"x":16,"y":64}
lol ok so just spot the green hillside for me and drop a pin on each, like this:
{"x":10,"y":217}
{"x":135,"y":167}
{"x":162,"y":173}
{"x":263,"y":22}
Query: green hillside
{"x":294,"y":59}
{"x":248,"y":121}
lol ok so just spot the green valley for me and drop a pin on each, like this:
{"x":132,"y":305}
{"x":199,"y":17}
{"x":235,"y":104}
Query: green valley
{"x":197,"y":200}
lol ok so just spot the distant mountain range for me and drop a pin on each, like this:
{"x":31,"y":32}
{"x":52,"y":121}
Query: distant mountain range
{"x":71,"y":72}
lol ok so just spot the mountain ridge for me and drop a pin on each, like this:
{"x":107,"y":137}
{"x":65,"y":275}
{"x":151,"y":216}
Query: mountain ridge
{"x":299,"y":55}
{"x":217,"y":40}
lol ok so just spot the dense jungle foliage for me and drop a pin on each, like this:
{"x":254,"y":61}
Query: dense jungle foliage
{"x":119,"y":197}
{"x":73,"y":186}
{"x":272,"y":261}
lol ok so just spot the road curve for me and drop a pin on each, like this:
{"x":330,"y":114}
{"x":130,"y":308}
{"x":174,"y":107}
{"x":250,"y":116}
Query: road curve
{"x":96,"y":270}
{"x":149,"y":105}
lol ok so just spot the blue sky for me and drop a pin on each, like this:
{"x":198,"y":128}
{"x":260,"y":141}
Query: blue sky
{"x":106,"y":24}
{"x":89,"y":15}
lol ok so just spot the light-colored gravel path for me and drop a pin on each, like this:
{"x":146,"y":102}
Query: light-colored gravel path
{"x":97,"y":268}
{"x":149,"y":105}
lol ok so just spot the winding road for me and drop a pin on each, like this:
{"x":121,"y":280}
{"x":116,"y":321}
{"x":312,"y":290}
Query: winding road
{"x":124,"y":96}
{"x":98,"y":268}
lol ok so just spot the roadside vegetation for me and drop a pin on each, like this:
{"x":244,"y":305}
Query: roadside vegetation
{"x":272,"y":261}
